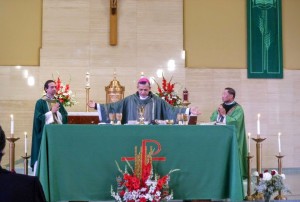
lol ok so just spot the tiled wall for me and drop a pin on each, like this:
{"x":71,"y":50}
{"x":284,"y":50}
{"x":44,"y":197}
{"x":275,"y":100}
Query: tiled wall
{"x":76,"y":40}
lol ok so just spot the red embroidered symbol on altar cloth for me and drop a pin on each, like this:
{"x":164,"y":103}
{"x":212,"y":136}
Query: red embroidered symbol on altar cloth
{"x":144,"y":152}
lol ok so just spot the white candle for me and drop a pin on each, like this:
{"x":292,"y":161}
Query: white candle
{"x":279,"y":144}
{"x":12,"y":125}
{"x":25,"y":134}
{"x":258,"y":124}
{"x":249,"y":135}
{"x":87,"y":79}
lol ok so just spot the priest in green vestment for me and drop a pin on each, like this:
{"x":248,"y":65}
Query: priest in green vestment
{"x":231,"y":113}
{"x":48,"y":110}
{"x":154,"y":108}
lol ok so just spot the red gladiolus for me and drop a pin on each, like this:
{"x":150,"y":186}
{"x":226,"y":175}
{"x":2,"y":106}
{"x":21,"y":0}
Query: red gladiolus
{"x":58,"y":83}
{"x":67,"y":88}
{"x":122,"y":193}
{"x":142,"y":199}
{"x":273,"y":172}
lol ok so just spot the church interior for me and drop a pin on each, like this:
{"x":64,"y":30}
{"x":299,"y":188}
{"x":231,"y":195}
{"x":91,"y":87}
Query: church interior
{"x":200,"y":44}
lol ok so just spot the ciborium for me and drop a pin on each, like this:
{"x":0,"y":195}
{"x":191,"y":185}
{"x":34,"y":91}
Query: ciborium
{"x":141,"y":111}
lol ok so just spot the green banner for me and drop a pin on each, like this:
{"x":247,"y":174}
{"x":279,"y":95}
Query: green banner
{"x":264,"y":39}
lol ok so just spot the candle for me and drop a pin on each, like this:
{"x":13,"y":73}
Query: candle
{"x":25,"y":134}
{"x":279,"y":143}
{"x":12,"y":125}
{"x":249,"y":135}
{"x":87,"y":79}
{"x":258,"y":124}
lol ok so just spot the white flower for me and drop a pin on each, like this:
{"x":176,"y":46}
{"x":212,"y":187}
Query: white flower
{"x":283,"y":176}
{"x":267,"y":176}
{"x":256,"y":174}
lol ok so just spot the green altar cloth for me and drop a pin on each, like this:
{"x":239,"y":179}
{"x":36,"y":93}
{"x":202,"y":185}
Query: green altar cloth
{"x":77,"y":162}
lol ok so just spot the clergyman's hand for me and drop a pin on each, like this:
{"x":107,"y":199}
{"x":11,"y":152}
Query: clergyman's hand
{"x":195,"y":111}
{"x":55,"y":108}
{"x":91,"y":104}
{"x":221,"y":110}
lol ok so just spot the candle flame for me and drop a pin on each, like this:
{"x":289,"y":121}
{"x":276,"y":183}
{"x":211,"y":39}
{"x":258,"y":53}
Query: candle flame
{"x":249,"y":134}
{"x":279,"y":133}
{"x":258,"y":115}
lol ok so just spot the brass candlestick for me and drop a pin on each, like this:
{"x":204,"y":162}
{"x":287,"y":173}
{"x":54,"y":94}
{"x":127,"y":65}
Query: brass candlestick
{"x":87,"y":95}
{"x":12,"y":141}
{"x":280,"y":196}
{"x":258,"y":140}
{"x":249,"y":197}
{"x":26,"y":157}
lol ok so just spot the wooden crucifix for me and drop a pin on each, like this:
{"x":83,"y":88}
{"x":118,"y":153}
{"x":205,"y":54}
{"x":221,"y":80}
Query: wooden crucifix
{"x":113,"y":22}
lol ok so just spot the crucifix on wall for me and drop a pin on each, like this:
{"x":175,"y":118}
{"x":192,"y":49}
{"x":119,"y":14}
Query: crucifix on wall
{"x":113,"y":36}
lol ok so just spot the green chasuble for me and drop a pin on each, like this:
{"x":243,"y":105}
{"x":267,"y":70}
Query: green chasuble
{"x":42,"y":106}
{"x":155,"y":108}
{"x":235,"y":116}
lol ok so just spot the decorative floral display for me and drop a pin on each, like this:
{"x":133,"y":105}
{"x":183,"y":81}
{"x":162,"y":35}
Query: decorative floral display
{"x":166,"y":92}
{"x":64,"y":94}
{"x":147,"y":187}
{"x":270,"y":182}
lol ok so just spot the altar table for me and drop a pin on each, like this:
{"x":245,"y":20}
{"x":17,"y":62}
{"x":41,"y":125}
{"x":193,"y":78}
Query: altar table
{"x":77,"y":162}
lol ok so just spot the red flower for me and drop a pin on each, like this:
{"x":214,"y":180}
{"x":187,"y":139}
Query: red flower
{"x":58,"y":83}
{"x":142,"y":199}
{"x":161,"y":182}
{"x":167,"y":92}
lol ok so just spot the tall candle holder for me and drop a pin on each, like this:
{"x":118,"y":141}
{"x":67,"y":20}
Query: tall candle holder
{"x":26,"y":157}
{"x":280,"y":196}
{"x":249,"y":197}
{"x":258,"y":140}
{"x":12,"y":141}
{"x":87,"y":95}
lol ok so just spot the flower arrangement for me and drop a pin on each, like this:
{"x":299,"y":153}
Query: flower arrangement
{"x":269,"y":183}
{"x":167,"y":92}
{"x":147,"y":187}
{"x":64,"y":94}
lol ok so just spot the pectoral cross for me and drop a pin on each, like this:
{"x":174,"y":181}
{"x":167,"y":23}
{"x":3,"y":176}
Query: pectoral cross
{"x":113,"y":36}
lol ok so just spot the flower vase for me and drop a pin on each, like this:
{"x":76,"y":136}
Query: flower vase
{"x":267,"y":198}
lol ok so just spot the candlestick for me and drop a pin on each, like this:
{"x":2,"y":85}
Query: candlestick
{"x":258,"y":124}
{"x":25,"y":134}
{"x":258,"y":140}
{"x":87,"y":79}
{"x":12,"y":125}
{"x":26,"y":157}
{"x":12,"y":141}
{"x":249,"y":197}
{"x":280,"y":196}
{"x":249,"y":135}
{"x":279,"y":143}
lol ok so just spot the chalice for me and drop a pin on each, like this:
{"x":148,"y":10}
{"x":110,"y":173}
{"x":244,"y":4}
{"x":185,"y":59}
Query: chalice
{"x":185,"y":119}
{"x":112,"y":117}
{"x":179,"y":118}
{"x":119,"y":118}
